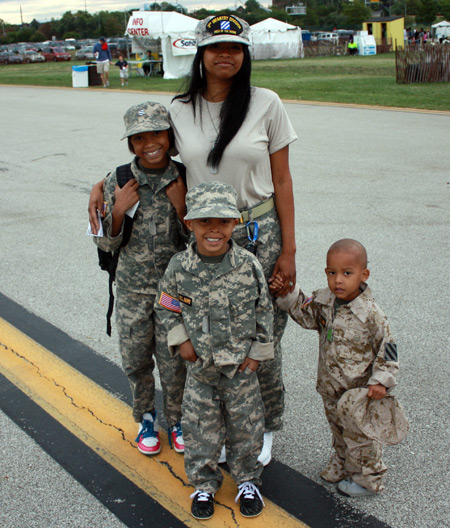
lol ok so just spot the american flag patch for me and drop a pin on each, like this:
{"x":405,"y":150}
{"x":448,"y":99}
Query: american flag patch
{"x":225,"y":25}
{"x":170,"y":302}
{"x":307,"y":302}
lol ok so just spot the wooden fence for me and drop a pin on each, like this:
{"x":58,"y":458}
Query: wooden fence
{"x":429,"y":63}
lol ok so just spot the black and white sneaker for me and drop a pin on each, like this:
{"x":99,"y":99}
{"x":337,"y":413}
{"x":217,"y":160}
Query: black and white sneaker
{"x":251,"y":500}
{"x":202,"y":505}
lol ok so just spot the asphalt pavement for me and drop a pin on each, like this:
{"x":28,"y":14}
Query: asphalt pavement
{"x":380,"y":176}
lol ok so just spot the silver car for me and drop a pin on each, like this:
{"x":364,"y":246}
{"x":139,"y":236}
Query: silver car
{"x":86,"y":53}
{"x":32,"y":56}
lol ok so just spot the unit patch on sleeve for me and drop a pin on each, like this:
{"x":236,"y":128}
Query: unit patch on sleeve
{"x":306,"y":303}
{"x":390,"y":352}
{"x":170,"y":302}
{"x":185,"y":300}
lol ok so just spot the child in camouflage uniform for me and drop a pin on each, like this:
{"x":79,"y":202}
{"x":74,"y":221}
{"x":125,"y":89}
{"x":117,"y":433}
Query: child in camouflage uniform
{"x":157,"y":234}
{"x":356,"y":349}
{"x":215,"y":302}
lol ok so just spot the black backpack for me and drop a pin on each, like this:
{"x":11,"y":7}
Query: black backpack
{"x":108,"y":260}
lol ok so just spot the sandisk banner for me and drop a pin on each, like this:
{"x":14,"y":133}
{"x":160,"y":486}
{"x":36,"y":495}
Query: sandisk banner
{"x":181,"y":46}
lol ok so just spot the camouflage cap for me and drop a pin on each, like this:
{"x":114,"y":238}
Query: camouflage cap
{"x":145,"y":117}
{"x":212,"y":200}
{"x":222,"y":28}
{"x":382,"y":420}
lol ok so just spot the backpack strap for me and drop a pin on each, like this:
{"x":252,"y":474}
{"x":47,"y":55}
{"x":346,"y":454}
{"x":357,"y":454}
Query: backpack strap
{"x":182,"y":170}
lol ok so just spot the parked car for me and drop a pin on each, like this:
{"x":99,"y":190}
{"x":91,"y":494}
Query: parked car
{"x":32,"y":56}
{"x":328,"y":37}
{"x":11,"y":57}
{"x":56,"y":54}
{"x":86,"y":53}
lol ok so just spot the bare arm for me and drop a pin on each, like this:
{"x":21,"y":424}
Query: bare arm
{"x":96,"y":203}
{"x":284,"y":202}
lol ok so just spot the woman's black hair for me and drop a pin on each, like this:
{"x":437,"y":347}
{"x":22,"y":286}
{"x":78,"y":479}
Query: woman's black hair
{"x":235,"y":107}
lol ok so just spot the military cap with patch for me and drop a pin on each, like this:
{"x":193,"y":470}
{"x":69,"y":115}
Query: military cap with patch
{"x":222,"y":28}
{"x":211,"y":200}
{"x":381,"y":420}
{"x":145,"y":117}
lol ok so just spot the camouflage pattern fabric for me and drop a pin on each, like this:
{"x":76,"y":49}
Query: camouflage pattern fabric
{"x":212,"y":200}
{"x":145,"y":117}
{"x":270,"y":372}
{"x":360,"y":456}
{"x":142,"y":338}
{"x":382,"y":420}
{"x":356,"y":349}
{"x":226,"y":311}
{"x":156,"y":236}
{"x":229,"y":413}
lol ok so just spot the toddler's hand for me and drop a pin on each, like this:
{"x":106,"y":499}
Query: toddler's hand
{"x":276,"y":283}
{"x":377,"y":392}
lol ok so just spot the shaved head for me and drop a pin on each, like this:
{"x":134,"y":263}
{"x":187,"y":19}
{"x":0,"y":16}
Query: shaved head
{"x":348,"y":245}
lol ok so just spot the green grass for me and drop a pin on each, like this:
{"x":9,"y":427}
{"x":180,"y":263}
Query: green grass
{"x":356,"y":80}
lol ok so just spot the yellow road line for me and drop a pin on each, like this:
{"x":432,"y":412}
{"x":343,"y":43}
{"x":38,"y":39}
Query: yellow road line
{"x":104,"y":423}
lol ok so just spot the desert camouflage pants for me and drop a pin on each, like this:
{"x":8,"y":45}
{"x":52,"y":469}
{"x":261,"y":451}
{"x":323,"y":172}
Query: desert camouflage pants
{"x":230,"y":412}
{"x":359,"y":456}
{"x":142,"y":337}
{"x":269,"y":372}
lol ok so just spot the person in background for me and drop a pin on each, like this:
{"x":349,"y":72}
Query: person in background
{"x":122,"y":64}
{"x":102,"y":54}
{"x":146,"y":66}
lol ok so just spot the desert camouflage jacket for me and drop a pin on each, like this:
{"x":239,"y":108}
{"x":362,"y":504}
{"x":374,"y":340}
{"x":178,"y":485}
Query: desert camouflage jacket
{"x":356,"y":347}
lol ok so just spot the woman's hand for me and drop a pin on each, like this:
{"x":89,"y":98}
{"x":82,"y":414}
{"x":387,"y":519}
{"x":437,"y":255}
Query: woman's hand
{"x":284,"y":268}
{"x":96,"y":204}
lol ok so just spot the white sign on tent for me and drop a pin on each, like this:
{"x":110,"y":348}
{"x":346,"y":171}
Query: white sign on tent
{"x":177,"y":35}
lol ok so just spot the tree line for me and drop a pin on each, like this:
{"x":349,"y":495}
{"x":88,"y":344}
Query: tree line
{"x":321,"y":15}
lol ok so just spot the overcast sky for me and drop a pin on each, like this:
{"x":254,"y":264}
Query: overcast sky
{"x":44,"y":10}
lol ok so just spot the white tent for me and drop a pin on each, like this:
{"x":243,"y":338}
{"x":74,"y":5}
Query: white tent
{"x":440,"y":30}
{"x":177,"y":34}
{"x":272,"y":39}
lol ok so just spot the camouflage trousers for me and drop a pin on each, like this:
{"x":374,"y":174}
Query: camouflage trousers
{"x":229,"y":413}
{"x":356,"y":455}
{"x":142,"y":338}
{"x":269,"y":372}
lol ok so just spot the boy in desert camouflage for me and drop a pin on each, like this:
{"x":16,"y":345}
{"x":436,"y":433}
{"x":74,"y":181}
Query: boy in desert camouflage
{"x":218,"y":312}
{"x":356,"y":351}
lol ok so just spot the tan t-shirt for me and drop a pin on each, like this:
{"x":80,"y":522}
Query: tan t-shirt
{"x":246,"y":161}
